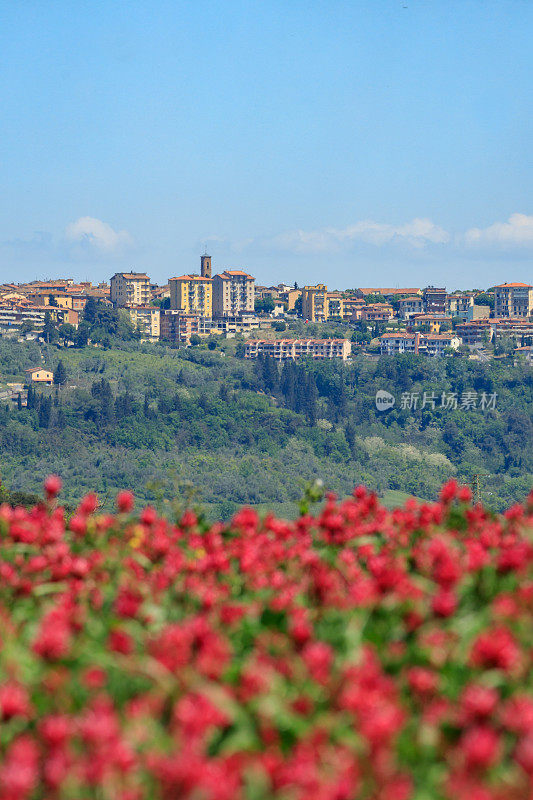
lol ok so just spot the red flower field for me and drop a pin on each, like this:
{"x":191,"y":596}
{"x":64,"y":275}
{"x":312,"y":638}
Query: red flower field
{"x":359,"y":654}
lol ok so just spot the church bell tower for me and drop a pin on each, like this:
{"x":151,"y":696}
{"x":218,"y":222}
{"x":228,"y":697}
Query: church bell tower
{"x":205,"y":271}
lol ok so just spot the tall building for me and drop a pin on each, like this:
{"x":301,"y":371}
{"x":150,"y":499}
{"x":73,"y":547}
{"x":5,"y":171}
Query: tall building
{"x":233,"y":293}
{"x":205,"y":266}
{"x":315,"y":303}
{"x":513,"y":300}
{"x":192,"y":294}
{"x":130,"y":289}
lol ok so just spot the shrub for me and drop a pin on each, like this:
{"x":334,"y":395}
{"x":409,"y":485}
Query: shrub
{"x":359,"y":653}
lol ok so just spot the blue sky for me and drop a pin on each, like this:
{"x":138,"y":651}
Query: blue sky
{"x":355,"y":143}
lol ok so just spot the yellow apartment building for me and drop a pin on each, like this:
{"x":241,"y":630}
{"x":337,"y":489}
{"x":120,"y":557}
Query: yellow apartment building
{"x":315,"y":303}
{"x":192,"y":294}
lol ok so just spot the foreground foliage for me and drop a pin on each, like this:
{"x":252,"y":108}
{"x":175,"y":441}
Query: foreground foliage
{"x":357,"y":654}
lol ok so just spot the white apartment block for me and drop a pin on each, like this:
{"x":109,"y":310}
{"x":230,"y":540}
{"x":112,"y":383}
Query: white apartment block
{"x":432,"y":344}
{"x":233,"y":293}
{"x":283,"y":349}
{"x":130,"y":289}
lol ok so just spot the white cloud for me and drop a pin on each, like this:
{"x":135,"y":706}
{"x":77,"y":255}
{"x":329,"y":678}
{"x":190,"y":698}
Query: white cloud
{"x":418,"y":233}
{"x":516,"y":232}
{"x":98,"y":235}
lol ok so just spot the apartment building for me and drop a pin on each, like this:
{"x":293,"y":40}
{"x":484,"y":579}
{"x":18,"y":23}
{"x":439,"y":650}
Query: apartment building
{"x":178,"y":327}
{"x":476,"y":331}
{"x":75,"y":301}
{"x":433,"y":344}
{"x":433,"y":322}
{"x":290,"y":296}
{"x":434,"y":300}
{"x":284,"y":349}
{"x":315,"y":303}
{"x":192,"y":294}
{"x":513,"y":300}
{"x":146,"y":319}
{"x":233,"y":293}
{"x":377,"y":312}
{"x":459,"y":305}
{"x":409,"y":306}
{"x":130,"y":289}
{"x":13,"y":316}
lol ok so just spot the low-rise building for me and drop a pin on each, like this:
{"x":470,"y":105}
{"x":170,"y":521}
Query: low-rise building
{"x":377,"y":312}
{"x":179,"y":327}
{"x":285,"y":349}
{"x":433,"y":322}
{"x":40,"y":375}
{"x":408,"y":306}
{"x":433,"y":344}
{"x":459,"y":305}
{"x":513,"y":300}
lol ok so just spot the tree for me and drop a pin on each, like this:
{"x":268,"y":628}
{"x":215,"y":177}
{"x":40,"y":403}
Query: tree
{"x":26,"y":327}
{"x":195,"y":339}
{"x":67,"y":332}
{"x":81,"y":338}
{"x":264,"y":304}
{"x":311,"y":400}
{"x":60,"y":374}
{"x":45,"y":412}
{"x":484,"y":299}
{"x":49,"y":331}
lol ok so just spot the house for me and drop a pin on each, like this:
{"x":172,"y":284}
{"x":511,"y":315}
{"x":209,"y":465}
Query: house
{"x":40,"y":375}
{"x":434,"y":322}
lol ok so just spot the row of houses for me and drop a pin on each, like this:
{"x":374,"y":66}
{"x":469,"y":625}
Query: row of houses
{"x":511,"y":300}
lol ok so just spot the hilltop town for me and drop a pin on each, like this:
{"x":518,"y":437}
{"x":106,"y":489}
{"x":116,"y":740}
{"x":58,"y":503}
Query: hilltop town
{"x":193,"y":307}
